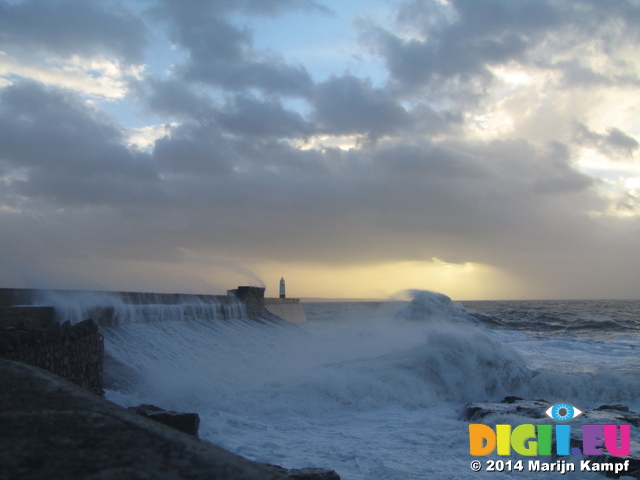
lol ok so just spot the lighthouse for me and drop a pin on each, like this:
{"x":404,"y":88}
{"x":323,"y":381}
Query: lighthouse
{"x":282,"y":293}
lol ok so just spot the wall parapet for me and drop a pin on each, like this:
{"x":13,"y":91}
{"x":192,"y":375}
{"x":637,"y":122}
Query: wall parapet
{"x":32,"y":331}
{"x":252,"y":298}
{"x":74,"y":352}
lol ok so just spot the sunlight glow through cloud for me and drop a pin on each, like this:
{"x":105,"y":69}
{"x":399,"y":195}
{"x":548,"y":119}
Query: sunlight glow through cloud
{"x":95,"y":77}
{"x":359,"y":141}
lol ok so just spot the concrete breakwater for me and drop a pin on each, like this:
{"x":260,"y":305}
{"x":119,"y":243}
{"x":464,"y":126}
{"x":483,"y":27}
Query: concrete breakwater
{"x":59,"y":330}
{"x":108,"y":308}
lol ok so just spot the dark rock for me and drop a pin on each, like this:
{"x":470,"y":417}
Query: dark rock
{"x":621,"y":408}
{"x":53,"y":429}
{"x":5,"y":346}
{"x":511,"y":399}
{"x":306,"y":473}
{"x":184,"y":422}
{"x":473,"y":413}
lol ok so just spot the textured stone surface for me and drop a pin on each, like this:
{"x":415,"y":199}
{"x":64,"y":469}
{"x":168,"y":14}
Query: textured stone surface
{"x":252,"y":298}
{"x":53,"y":429}
{"x":75,"y":352}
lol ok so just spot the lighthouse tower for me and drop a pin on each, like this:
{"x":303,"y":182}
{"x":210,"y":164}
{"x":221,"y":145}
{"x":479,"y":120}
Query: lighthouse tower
{"x":282,"y":292}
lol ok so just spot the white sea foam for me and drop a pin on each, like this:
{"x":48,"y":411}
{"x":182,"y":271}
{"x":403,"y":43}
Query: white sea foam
{"x":373,"y":391}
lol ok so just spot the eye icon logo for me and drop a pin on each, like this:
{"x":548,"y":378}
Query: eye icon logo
{"x":563,"y":412}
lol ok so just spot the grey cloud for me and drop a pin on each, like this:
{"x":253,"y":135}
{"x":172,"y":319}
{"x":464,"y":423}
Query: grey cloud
{"x":427,"y":160}
{"x":459,"y":41}
{"x":629,"y":203}
{"x":616,"y":138}
{"x":272,"y":75}
{"x":249,"y":116}
{"x":196,"y":10}
{"x":174,"y":99}
{"x":223,"y":54}
{"x":348,"y":105}
{"x":261,"y":198}
{"x":241,"y":114}
{"x":62,"y":149}
{"x":616,"y":144}
{"x":230,"y":178}
{"x":275,"y":7}
{"x":575,"y":73}
{"x":427,"y":121}
{"x":70,"y":27}
{"x":415,"y":202}
{"x":561,"y":176}
{"x":242,"y":193}
{"x":194,"y":149}
{"x":477,"y":34}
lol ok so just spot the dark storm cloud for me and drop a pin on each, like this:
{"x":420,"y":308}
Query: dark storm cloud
{"x":221,"y":53}
{"x":193,"y":150}
{"x":392,"y":201}
{"x":64,"y":150}
{"x":233,"y":192}
{"x":174,"y":99}
{"x":461,"y":41}
{"x":349,"y":105}
{"x":239,"y":170}
{"x":72,"y":27}
{"x":240,"y":114}
{"x":247,"y":115}
{"x":206,"y":190}
{"x":481,"y":34}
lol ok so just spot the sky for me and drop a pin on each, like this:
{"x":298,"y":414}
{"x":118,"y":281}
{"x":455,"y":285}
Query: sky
{"x":484,"y":149}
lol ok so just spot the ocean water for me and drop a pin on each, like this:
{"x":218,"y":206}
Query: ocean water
{"x":375,"y":390}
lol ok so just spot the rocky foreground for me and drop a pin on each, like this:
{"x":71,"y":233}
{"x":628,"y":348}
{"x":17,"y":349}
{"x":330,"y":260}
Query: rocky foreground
{"x":54,"y":429}
{"x":512,"y":410}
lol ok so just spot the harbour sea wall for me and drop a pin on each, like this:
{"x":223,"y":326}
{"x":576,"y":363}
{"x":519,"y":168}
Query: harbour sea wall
{"x":33,"y":305}
{"x":59,"y":330}
{"x":288,"y":309}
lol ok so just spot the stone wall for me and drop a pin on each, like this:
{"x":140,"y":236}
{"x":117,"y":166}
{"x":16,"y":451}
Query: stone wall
{"x":252,"y":298}
{"x":16,"y":296}
{"x":74,"y":352}
{"x":32,"y":317}
{"x":29,"y":332}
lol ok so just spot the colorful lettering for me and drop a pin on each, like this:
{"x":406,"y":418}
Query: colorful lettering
{"x":530,"y":440}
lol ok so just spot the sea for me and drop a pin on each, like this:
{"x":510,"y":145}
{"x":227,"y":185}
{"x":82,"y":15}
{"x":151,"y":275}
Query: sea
{"x":375,"y":390}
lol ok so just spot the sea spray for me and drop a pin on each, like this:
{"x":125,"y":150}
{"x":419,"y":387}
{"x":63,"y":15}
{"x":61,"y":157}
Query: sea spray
{"x":372,"y":394}
{"x":117,"y":308}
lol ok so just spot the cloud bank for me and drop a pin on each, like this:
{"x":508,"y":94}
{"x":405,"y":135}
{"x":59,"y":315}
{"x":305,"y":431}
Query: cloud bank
{"x":497,"y":133}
